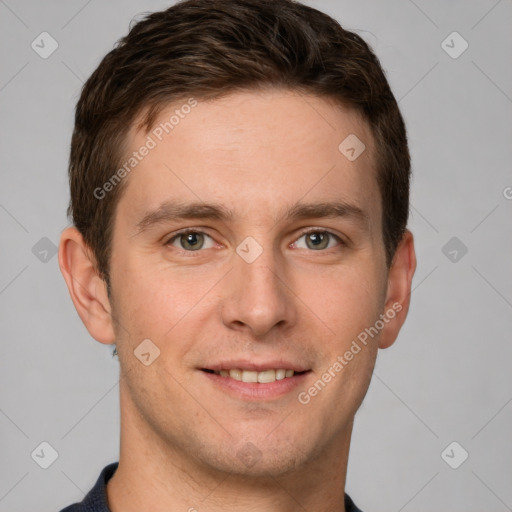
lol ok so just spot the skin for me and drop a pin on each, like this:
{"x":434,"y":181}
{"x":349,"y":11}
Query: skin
{"x":257,"y":154}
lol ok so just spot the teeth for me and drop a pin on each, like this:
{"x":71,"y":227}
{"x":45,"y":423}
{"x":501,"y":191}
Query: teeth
{"x":267,"y":376}
{"x":263,"y":377}
{"x":280,"y":374}
{"x":235,"y":374}
{"x":248,"y":376}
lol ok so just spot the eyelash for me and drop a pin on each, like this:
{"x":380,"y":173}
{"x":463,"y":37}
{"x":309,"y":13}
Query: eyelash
{"x":198,"y":231}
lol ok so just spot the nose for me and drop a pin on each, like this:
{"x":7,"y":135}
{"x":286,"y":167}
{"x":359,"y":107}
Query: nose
{"x":258,"y":296}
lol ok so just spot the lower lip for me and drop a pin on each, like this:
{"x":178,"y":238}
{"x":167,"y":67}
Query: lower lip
{"x":256,"y":390}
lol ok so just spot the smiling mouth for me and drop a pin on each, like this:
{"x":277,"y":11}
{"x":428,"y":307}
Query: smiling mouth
{"x":263,"y":377}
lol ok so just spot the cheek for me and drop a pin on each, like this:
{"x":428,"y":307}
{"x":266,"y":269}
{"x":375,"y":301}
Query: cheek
{"x":345,"y":301}
{"x":350,"y":305}
{"x":157,"y":301}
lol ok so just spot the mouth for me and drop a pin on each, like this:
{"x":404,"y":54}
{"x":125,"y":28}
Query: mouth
{"x":255,"y":383}
{"x":253,"y":376}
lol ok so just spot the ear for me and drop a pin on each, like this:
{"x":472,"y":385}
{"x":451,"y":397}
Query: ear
{"x":86,"y":288}
{"x":398,"y":294}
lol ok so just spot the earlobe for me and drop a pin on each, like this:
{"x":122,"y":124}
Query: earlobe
{"x":86,"y":288}
{"x":399,"y":289}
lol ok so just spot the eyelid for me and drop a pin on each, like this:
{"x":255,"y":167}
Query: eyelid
{"x":306,"y":231}
{"x":200,"y":230}
{"x":185,"y":231}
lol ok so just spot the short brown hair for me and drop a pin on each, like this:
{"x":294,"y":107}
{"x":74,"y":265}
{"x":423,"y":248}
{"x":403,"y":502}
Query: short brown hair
{"x":208,"y":48}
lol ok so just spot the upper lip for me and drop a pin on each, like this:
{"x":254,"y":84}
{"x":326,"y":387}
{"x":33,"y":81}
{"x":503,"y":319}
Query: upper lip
{"x":244,"y":364}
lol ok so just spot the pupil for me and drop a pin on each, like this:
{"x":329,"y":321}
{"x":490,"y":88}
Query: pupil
{"x":317,"y":240}
{"x":191,"y":240}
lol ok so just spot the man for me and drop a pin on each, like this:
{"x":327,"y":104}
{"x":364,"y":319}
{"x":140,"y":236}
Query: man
{"x":239,"y":177}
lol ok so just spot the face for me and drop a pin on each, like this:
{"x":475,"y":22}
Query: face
{"x":246,"y":241}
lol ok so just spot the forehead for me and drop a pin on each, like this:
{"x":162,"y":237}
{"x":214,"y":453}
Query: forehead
{"x":254,"y":150}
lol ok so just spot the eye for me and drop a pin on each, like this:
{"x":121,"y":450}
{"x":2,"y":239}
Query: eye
{"x":191,"y":241}
{"x":318,"y":240}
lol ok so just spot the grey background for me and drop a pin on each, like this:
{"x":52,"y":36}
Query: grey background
{"x":447,"y":378}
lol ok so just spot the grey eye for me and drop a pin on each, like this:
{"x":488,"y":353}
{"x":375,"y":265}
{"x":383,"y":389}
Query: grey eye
{"x":317,"y":240}
{"x":192,"y":241}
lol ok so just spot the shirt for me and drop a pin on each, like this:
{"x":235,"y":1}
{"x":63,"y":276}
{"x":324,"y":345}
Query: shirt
{"x":96,"y":498}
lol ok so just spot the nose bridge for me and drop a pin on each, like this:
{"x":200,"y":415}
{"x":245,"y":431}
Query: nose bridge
{"x":262,"y":275}
{"x":257,"y":298}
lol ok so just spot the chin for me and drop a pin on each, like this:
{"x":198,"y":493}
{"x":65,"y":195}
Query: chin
{"x":263,"y":459}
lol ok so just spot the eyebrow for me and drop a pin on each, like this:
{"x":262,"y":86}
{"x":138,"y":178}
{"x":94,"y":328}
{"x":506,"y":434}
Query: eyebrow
{"x":172,"y":210}
{"x":334,"y":209}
